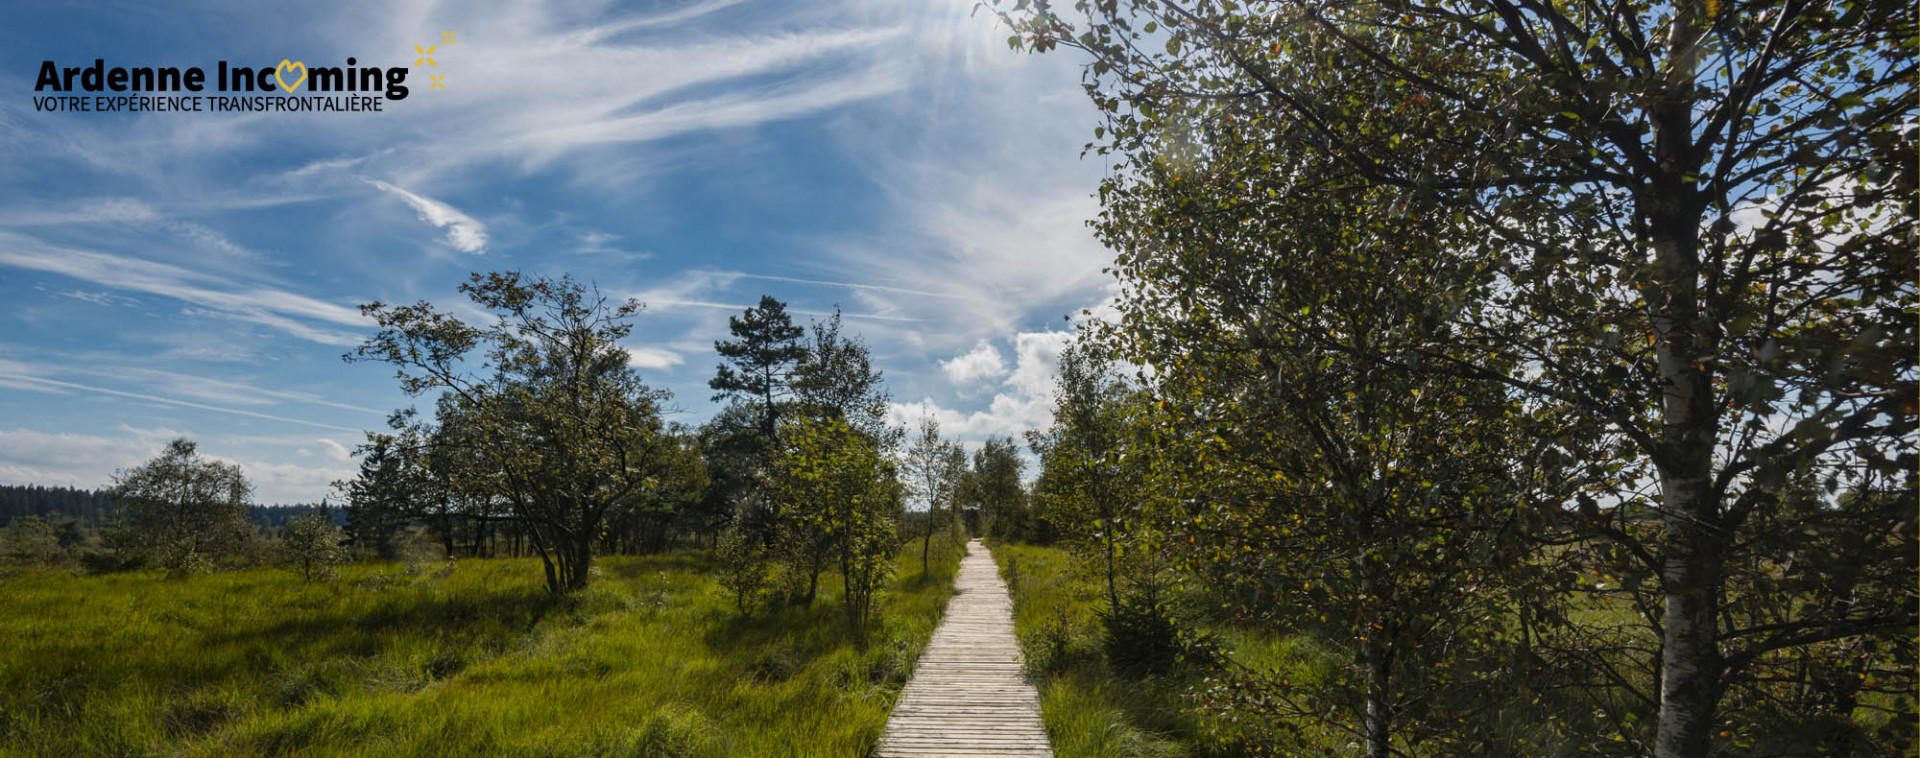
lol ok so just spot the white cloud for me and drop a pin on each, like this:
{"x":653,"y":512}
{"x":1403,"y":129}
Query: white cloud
{"x":75,"y":460}
{"x":1037,"y":362}
{"x":983,"y":362}
{"x":285,"y":483}
{"x":602,"y":244}
{"x":678,"y":15}
{"x":1024,"y":402}
{"x":463,"y":232}
{"x":336,"y":450}
{"x":214,"y":390}
{"x":90,"y":460}
{"x":653,"y":357}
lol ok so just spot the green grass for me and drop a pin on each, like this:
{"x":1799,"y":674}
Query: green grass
{"x":651,"y":660}
{"x":1090,"y":712}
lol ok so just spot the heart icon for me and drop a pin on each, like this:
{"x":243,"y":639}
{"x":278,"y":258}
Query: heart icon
{"x":286,"y":66}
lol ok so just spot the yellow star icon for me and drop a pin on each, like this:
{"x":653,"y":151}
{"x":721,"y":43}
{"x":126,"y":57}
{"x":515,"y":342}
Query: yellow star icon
{"x":424,"y":55}
{"x":438,"y":82}
{"x":446,"y":38}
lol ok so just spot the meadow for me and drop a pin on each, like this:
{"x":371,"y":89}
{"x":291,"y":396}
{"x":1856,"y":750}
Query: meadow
{"x":465,"y":658}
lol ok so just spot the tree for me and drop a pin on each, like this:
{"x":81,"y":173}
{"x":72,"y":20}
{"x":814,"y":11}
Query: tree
{"x":994,"y":488}
{"x":834,"y":390}
{"x":312,"y":545}
{"x":184,"y":509}
{"x":731,"y":451}
{"x":1087,"y":487}
{"x":743,"y":567}
{"x":559,"y":425}
{"x":1697,"y":222}
{"x":836,"y":380}
{"x":840,"y":503}
{"x":953,"y":468}
{"x":1389,"y":512}
{"x":933,"y":469}
{"x":761,"y":359}
{"x":646,"y":523}
{"x":382,"y":499}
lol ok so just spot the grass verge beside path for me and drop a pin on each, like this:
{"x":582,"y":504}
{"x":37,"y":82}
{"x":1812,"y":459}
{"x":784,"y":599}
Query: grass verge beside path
{"x":1091,"y":712}
{"x":476,"y":659}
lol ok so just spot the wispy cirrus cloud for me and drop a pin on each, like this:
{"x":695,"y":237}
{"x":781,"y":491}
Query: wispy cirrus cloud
{"x":56,"y":383}
{"x":130,"y":212}
{"x":463,"y":232}
{"x":286,"y":311}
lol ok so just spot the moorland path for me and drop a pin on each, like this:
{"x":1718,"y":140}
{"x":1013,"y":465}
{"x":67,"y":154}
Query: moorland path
{"x":968,"y":695}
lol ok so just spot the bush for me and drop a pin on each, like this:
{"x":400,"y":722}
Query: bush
{"x":1142,"y":636}
{"x":743,"y":568}
{"x":31,"y":540}
{"x":313,"y":546}
{"x":1054,"y":647}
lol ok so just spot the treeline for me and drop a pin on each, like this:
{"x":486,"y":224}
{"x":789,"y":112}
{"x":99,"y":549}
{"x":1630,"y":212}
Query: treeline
{"x":1551,"y":365}
{"x":93,"y":509}
{"x":89,"y":507}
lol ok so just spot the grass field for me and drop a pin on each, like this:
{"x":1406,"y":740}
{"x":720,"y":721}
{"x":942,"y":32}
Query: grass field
{"x":471,"y":659}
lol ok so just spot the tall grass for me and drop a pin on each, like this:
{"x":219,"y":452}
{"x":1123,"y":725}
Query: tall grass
{"x":466,"y":659}
{"x":1090,"y":711}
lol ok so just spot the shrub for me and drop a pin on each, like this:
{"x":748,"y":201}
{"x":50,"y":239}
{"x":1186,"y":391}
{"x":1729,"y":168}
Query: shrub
{"x":743,"y":568}
{"x":1055,"y":647}
{"x":30,"y":539}
{"x":313,"y":545}
{"x":1142,"y":636}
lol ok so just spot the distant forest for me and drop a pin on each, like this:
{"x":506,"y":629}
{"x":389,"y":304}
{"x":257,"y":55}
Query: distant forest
{"x":92,"y":508}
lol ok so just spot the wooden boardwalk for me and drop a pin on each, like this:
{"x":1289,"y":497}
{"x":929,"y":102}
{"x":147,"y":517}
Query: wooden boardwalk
{"x":968,"y":696}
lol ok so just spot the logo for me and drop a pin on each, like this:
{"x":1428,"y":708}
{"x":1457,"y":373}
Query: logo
{"x":351,"y":88}
{"x":285,"y":66}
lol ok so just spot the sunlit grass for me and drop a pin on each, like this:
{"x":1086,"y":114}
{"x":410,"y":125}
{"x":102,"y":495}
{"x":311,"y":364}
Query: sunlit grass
{"x":1090,"y":712}
{"x":476,"y":659}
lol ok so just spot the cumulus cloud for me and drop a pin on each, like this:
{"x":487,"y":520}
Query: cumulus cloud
{"x":90,"y":460}
{"x":75,"y":460}
{"x":1037,"y":361}
{"x":463,"y":232}
{"x":983,"y":362}
{"x":1024,"y":400}
{"x":287,"y":483}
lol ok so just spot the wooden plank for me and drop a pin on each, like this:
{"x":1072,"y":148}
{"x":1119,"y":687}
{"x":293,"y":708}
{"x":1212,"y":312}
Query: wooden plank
{"x":968,"y":695}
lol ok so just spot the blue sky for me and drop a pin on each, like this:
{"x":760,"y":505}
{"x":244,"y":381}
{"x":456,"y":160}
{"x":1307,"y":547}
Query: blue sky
{"x":197,"y":274}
